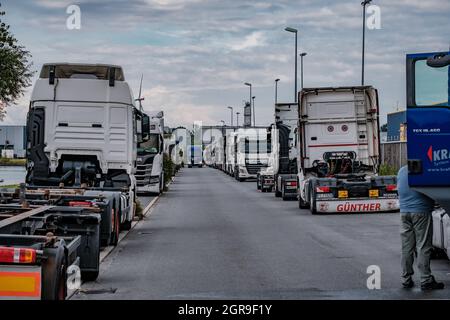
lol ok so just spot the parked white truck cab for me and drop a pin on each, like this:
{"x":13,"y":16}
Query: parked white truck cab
{"x":251,"y":149}
{"x":83,"y":131}
{"x":281,"y":173}
{"x":150,"y":167}
{"x":340,"y":152}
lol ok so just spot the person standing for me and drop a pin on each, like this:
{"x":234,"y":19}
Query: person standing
{"x":416,"y":233}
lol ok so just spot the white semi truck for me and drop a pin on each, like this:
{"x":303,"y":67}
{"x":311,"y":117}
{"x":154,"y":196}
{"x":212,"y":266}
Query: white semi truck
{"x":83,"y":130}
{"x":281,"y":173}
{"x":339,"y":152}
{"x":195,"y":156}
{"x":150,"y":151}
{"x":82,"y":134}
{"x":251,"y":149}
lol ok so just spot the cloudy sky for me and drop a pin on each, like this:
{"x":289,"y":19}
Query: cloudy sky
{"x":196,"y":54}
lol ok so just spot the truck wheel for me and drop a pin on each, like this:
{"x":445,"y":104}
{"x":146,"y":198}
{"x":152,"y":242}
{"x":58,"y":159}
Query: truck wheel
{"x":277,"y":193}
{"x":302,"y":204}
{"x":54,"y":277}
{"x":283,"y":194}
{"x":89,"y":275}
{"x":116,"y":224}
{"x":312,"y":204}
{"x":126,"y":225}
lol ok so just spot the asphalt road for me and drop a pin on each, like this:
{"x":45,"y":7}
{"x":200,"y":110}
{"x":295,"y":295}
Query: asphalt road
{"x":211,"y":237}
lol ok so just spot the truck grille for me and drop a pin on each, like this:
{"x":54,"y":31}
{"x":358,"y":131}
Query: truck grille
{"x":254,"y":168}
{"x":143,"y":173}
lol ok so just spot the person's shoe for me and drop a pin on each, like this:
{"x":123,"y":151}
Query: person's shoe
{"x":432,"y":285}
{"x":408,"y":284}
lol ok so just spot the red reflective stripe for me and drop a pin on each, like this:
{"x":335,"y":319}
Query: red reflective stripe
{"x":337,"y":145}
{"x":80,"y":204}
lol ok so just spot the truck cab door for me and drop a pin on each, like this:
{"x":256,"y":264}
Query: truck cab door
{"x":428,"y":119}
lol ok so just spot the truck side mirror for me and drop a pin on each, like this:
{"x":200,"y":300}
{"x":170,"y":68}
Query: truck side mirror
{"x":51,"y":75}
{"x":112,"y":76}
{"x":439,"y":60}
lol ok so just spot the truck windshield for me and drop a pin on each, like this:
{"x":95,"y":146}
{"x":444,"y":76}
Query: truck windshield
{"x":150,"y":145}
{"x":253,"y":146}
{"x":431,"y":85}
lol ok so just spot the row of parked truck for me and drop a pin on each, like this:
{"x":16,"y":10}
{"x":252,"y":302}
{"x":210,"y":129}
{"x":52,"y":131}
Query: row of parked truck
{"x":90,"y":151}
{"x":323,"y":151}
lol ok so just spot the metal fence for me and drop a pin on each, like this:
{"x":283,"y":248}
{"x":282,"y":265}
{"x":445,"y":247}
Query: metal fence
{"x":394,"y":154}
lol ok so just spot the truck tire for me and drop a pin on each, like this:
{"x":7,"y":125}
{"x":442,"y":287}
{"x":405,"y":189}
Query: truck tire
{"x":302,"y":204}
{"x":54,"y":282}
{"x":312,"y":203}
{"x":126,"y":225}
{"x":89,"y":275}
{"x":116,"y":226}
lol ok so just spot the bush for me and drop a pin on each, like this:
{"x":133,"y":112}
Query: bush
{"x":387,"y":170}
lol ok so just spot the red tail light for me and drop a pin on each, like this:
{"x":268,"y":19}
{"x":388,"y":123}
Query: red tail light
{"x":17,"y":255}
{"x":85,"y":204}
{"x":291,"y":183}
{"x":323,"y":189}
{"x":391,"y":187}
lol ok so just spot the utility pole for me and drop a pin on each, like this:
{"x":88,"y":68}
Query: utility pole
{"x":295,"y":31}
{"x":231,"y":109}
{"x":364,"y":3}
{"x":276,"y":90}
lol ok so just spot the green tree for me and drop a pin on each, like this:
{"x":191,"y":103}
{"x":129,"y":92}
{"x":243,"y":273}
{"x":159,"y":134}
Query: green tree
{"x":15,"y":67}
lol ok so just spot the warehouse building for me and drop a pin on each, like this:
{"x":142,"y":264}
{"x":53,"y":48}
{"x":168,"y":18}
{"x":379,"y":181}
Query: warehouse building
{"x":396,"y":126}
{"x":13,"y":141}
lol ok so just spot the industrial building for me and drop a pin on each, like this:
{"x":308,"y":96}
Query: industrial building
{"x":396,"y":126}
{"x":13,"y":141}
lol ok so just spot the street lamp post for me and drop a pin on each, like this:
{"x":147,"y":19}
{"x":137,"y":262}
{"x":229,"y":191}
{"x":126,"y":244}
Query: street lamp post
{"x":254,"y":121}
{"x":231,"y":109}
{"x":250,"y":101}
{"x":237,"y":118}
{"x":364,"y":4}
{"x":301,"y":68}
{"x":295,"y":31}
{"x":276,"y":90}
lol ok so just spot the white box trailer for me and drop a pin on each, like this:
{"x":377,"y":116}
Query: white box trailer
{"x":340,"y":152}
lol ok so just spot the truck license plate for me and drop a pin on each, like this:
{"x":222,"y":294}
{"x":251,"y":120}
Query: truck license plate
{"x":374,"y":193}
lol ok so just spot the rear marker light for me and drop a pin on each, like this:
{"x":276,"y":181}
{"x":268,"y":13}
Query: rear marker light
{"x":391,"y":187}
{"x":323,"y":189}
{"x":17,"y":255}
{"x":80,"y":204}
{"x":291,"y":183}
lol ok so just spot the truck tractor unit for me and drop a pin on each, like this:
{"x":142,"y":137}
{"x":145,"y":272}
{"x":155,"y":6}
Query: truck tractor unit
{"x":339,"y":152}
{"x":82,"y":132}
{"x":251,"y":149}
{"x":195,"y":156}
{"x":428,"y":118}
{"x":150,"y":154}
{"x":281,"y":173}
